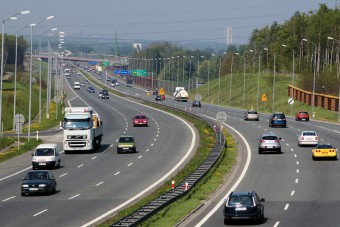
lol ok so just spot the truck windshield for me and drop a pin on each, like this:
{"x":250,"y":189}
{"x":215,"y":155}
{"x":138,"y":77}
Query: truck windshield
{"x":77,"y":123}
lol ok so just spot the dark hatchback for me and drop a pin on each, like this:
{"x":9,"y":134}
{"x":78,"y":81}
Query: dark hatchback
{"x":244,"y":205}
{"x":38,"y":181}
{"x":278,"y":119}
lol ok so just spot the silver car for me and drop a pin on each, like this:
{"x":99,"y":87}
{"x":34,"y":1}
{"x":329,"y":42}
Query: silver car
{"x":251,"y":115}
{"x":269,"y":142}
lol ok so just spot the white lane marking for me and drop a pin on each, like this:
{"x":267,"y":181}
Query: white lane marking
{"x":296,"y":181}
{"x":16,"y":173}
{"x":265,"y":129}
{"x":297,"y":171}
{"x":276,"y":224}
{"x":80,"y":165}
{"x":117,"y":173}
{"x":74,"y":196}
{"x":130,"y":164}
{"x":297,"y":162}
{"x":8,"y":198}
{"x":40,"y":212}
{"x":286,"y":207}
{"x":295,"y":155}
{"x":94,"y":157}
{"x":165,"y":176}
{"x":155,"y":139}
{"x":291,"y":149}
{"x":63,"y":175}
{"x":287,"y":144}
{"x":292,"y":193}
{"x":147,"y":150}
{"x":111,"y":145}
{"x":246,"y":166}
{"x":104,"y":151}
{"x":151,"y":144}
{"x":99,"y":183}
{"x":140,"y":156}
{"x":157,"y":135}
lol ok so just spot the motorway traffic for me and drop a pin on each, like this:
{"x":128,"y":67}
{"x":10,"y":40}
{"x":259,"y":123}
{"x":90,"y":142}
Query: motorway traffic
{"x":297,"y":190}
{"x":92,"y":184}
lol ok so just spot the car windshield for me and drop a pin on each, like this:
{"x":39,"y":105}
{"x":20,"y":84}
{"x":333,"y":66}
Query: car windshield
{"x":140,"y":117}
{"x":269,"y":137}
{"x":235,"y":200}
{"x":125,"y":139}
{"x":36,"y":176}
{"x":44,"y":152}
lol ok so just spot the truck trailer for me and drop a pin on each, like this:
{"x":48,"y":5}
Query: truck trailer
{"x":181,"y":94}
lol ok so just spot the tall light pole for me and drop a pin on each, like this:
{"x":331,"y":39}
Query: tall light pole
{"x":267,"y":50}
{"x":274,"y":83}
{"x":285,"y":46}
{"x":244,"y":80}
{"x":40,"y":88}
{"x":198,"y":72}
{"x":213,"y":55}
{"x":191,"y":57}
{"x":30,"y":99}
{"x":183,"y":71}
{"x":219,"y":82}
{"x":314,"y":74}
{"x":231,"y":76}
{"x":2,"y":58}
{"x":258,"y":84}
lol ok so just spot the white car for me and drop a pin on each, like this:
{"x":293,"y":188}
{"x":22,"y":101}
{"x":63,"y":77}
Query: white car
{"x":308,"y":138}
{"x":117,"y":83}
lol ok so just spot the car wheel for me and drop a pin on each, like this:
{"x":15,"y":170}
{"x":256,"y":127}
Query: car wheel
{"x":226,"y":222}
{"x":66,"y":152}
{"x":23,"y":193}
{"x":307,"y":119}
{"x":134,"y":150}
{"x":335,"y":158}
{"x":279,"y":151}
{"x":58,"y":166}
{"x":314,"y":158}
{"x":118,"y":151}
{"x":54,"y":190}
{"x":260,"y":151}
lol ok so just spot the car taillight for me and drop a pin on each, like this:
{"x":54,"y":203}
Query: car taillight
{"x":274,"y":118}
{"x":316,"y":138}
{"x":284,"y":119}
{"x":261,"y":141}
{"x":302,"y":138}
{"x":276,"y":141}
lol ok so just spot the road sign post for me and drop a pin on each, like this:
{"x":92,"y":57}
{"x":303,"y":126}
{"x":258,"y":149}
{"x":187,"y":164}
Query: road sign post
{"x":19,"y":121}
{"x":221,"y":116}
{"x":56,"y":100}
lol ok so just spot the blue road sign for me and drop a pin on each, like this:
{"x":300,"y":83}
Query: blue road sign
{"x":92,"y":62}
{"x":122,"y":72}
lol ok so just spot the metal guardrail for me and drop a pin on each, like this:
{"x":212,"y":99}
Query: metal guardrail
{"x":157,"y":204}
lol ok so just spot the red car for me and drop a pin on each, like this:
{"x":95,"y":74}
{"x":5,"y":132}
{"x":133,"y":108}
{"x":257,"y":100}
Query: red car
{"x":140,"y":119}
{"x":302,"y":115}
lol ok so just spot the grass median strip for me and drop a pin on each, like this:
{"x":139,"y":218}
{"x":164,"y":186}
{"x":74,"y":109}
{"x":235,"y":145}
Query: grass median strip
{"x":23,"y":148}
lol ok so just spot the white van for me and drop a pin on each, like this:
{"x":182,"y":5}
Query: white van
{"x":76,"y":85}
{"x":46,"y":156}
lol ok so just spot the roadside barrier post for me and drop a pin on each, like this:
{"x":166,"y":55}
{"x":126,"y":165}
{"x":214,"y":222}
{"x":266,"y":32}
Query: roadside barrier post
{"x":37,"y":135}
{"x":173,"y":185}
{"x":186,"y":186}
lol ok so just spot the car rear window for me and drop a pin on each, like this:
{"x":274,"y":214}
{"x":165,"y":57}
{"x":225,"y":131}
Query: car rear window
{"x":281,"y":116}
{"x":252,"y":112}
{"x":234,"y":200}
{"x":303,"y":113}
{"x":140,"y":117}
{"x":125,"y":139}
{"x":269,"y":137}
{"x":309,"y":134}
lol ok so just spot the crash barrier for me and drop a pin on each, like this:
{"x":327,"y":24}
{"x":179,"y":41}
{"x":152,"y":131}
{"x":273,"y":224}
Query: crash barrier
{"x":185,"y":185}
{"x":321,"y":100}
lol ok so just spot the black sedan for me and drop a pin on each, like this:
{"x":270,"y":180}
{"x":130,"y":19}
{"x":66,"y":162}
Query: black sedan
{"x":158,"y":98}
{"x":196,"y":103}
{"x":38,"y":181}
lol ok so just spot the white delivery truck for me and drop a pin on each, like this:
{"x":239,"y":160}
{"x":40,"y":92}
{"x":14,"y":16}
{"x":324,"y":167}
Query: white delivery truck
{"x":181,"y":94}
{"x":46,"y":156}
{"x":83,"y":129}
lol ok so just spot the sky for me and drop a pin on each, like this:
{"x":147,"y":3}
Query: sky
{"x":154,"y":20}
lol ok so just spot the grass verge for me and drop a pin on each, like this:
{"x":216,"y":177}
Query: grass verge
{"x":23,"y":148}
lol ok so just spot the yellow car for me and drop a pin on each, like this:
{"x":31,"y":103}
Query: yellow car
{"x":324,"y":151}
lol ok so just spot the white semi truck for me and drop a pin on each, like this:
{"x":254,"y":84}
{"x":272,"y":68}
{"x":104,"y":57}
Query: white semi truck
{"x":83,"y":129}
{"x":181,"y":94}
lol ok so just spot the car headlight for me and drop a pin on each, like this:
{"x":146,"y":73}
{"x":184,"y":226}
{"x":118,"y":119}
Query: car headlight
{"x":42,"y":185}
{"x":34,"y":159}
{"x":24,"y":186}
{"x":50,"y":159}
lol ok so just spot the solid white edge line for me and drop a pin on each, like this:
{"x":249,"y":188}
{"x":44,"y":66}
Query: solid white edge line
{"x":190,"y":150}
{"x":219,"y":204}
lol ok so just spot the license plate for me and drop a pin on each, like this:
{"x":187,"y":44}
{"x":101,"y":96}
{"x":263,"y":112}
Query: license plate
{"x":240,"y":208}
{"x":42,"y":164}
{"x":33,"y":189}
{"x":324,"y":152}
{"x":125,"y":148}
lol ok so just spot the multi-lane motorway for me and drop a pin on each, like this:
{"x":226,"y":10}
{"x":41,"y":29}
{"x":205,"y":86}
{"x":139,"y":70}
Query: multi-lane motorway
{"x":298,"y":190}
{"x":90,"y":185}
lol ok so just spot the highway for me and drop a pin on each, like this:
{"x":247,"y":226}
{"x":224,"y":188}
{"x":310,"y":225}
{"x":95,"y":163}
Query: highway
{"x":94,"y":184}
{"x":298,"y":190}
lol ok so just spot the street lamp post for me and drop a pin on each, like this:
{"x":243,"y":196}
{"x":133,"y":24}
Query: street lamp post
{"x":267,"y":50}
{"x":213,"y":55}
{"x":314,"y":74}
{"x":177,"y":70}
{"x":190,"y":73}
{"x":258,"y":84}
{"x":2,"y":58}
{"x":231,"y":76}
{"x":285,"y":46}
{"x":219,"y":82}
{"x":30,"y":99}
{"x":274,"y":83}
